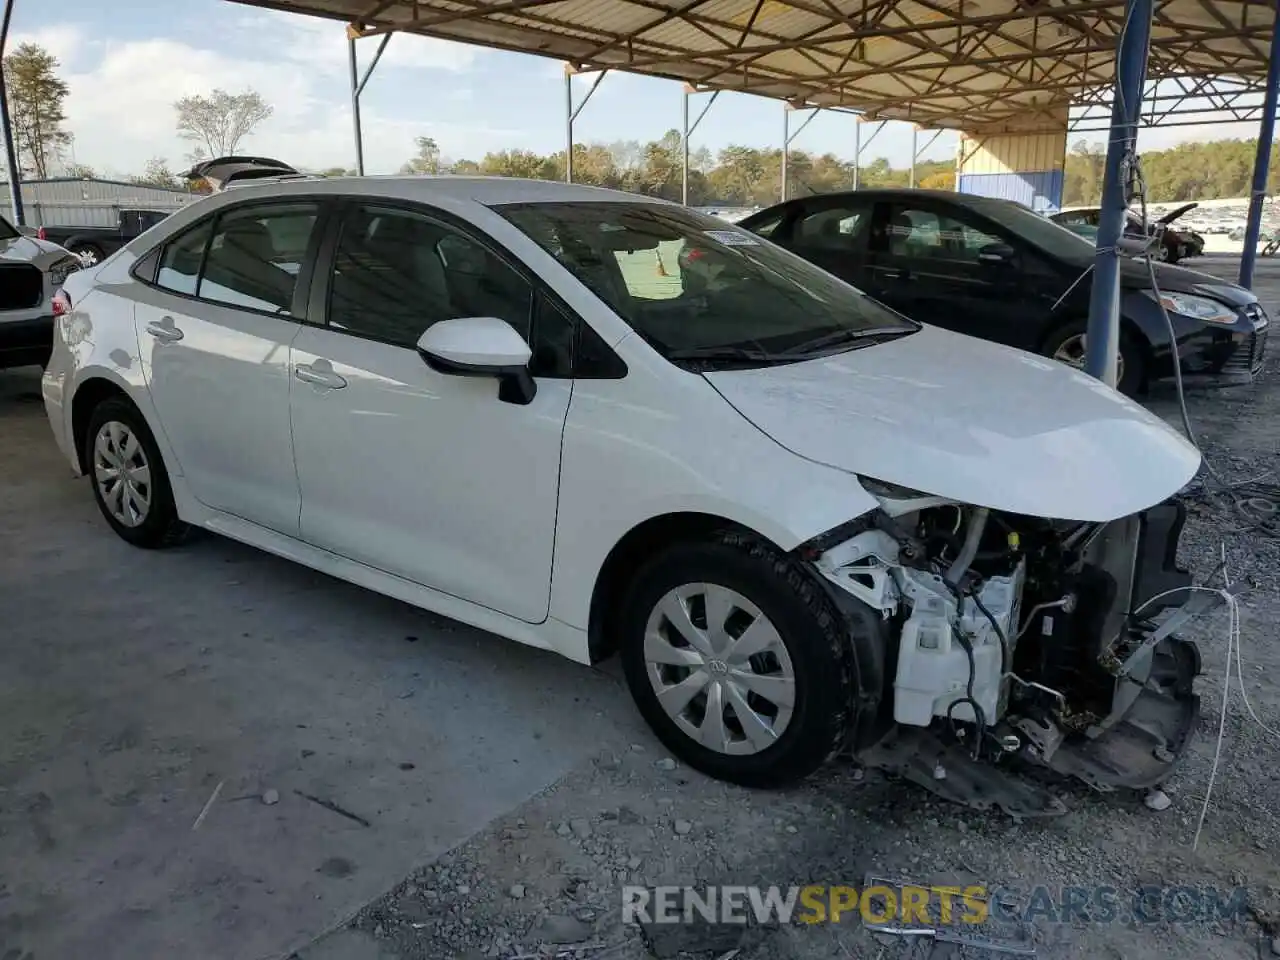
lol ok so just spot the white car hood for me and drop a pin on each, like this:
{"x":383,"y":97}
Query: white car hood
{"x":973,"y":421}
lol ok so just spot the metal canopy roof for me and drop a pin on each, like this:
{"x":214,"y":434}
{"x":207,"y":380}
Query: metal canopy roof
{"x":978,"y":65}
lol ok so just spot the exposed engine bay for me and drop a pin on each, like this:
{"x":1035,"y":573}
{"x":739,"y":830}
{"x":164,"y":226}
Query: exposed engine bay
{"x":1015,"y":641}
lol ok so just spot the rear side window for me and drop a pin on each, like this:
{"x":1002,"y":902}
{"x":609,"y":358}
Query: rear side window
{"x":833,"y":228}
{"x":765,"y":228}
{"x":180,"y":262}
{"x":256,"y":254}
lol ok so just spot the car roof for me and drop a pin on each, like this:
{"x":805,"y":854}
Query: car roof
{"x":489,"y":191}
{"x":895,"y":193}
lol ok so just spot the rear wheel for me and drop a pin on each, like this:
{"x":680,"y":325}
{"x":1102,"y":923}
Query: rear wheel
{"x":738,"y":660}
{"x":130,"y":483}
{"x":1069,"y":343}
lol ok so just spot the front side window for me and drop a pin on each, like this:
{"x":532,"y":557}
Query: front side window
{"x":396,"y":273}
{"x":180,"y":262}
{"x":735,"y":299}
{"x":256,"y":254}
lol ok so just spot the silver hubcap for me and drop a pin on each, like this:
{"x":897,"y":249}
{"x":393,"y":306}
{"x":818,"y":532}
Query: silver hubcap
{"x":1072,"y":352}
{"x":122,"y":473}
{"x":87,"y":257}
{"x":719,"y":668}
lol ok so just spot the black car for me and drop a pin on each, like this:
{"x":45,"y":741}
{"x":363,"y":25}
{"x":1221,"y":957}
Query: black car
{"x":997,"y":270}
{"x":94,"y":244}
{"x":1174,"y":244}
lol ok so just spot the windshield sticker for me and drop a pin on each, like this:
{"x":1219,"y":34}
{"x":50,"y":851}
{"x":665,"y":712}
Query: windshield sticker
{"x":732,"y":238}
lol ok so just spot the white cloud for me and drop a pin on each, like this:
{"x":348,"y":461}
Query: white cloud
{"x":120,"y":108}
{"x":322,"y":43}
{"x":66,"y":42}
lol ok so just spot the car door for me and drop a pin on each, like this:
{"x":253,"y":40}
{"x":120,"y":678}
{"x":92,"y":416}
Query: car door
{"x":832,"y":234}
{"x":424,"y":475}
{"x":944,"y":265}
{"x":214,"y":325}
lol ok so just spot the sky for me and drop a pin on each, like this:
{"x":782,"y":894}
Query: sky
{"x":127,"y":61}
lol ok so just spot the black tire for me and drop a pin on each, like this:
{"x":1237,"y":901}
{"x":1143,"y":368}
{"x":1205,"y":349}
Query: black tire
{"x":1134,"y":377}
{"x":812,"y":632}
{"x":161,"y":526}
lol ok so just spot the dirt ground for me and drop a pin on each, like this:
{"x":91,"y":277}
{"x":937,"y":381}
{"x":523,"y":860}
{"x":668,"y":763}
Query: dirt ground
{"x":553,"y":869}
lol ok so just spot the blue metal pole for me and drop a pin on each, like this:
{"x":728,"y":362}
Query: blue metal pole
{"x":1262,"y":160}
{"x":1126,"y":109}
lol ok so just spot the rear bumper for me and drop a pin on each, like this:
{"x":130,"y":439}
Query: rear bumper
{"x":26,"y":342}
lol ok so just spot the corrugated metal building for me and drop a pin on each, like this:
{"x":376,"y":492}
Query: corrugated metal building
{"x":67,"y":202}
{"x":1024,"y":167}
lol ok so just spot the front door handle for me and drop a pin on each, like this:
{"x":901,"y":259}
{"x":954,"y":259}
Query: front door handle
{"x":164,"y":330}
{"x":321,"y":376}
{"x":896,"y":273}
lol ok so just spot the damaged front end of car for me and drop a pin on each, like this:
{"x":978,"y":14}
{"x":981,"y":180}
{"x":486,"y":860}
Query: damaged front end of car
{"x":989,"y":642}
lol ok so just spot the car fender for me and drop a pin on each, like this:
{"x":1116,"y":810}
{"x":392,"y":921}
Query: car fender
{"x":628,"y":459}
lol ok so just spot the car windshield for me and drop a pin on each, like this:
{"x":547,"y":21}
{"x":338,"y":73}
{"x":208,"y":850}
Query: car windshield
{"x":700,"y":290}
{"x":7,"y":232}
{"x":1053,"y":238}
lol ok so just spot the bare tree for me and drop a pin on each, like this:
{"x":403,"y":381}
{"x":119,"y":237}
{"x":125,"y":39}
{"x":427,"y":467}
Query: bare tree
{"x":217,"y":123}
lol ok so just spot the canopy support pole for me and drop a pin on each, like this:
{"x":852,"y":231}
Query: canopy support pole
{"x":1262,"y":160}
{"x":1103,"y":339}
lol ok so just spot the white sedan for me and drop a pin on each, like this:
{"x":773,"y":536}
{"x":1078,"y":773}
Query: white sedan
{"x":805,"y":522}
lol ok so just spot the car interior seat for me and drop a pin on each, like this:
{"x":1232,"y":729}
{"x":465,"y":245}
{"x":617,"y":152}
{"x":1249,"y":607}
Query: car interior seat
{"x":242,"y":263}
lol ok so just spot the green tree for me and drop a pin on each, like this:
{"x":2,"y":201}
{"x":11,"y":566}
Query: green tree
{"x":81,"y":171}
{"x":157,"y":174}
{"x":426,"y":160}
{"x":940,"y":180}
{"x":219,"y":122}
{"x":36,"y":97}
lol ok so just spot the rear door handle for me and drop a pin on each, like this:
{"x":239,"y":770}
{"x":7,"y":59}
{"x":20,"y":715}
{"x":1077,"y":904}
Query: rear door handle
{"x":164,"y":330}
{"x":321,"y":376}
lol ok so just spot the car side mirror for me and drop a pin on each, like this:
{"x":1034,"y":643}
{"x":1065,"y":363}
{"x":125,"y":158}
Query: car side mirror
{"x":996,"y":254}
{"x":481,"y":347}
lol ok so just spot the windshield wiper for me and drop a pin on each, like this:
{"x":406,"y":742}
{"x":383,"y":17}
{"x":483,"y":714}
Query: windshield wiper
{"x":727,"y":354}
{"x":720,"y":353}
{"x":838,"y":337}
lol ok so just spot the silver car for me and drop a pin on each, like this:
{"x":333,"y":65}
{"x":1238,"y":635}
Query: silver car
{"x":31,"y":271}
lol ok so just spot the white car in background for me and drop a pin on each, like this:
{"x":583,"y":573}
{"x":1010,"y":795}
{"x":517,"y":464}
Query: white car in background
{"x":806,"y":522}
{"x":30,"y":271}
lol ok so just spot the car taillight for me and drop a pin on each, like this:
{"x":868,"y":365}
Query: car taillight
{"x":61,"y":303}
{"x":40,"y":234}
{"x":694,"y":254}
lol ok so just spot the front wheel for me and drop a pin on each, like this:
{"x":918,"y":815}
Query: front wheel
{"x":1068,"y":344}
{"x":738,"y":660}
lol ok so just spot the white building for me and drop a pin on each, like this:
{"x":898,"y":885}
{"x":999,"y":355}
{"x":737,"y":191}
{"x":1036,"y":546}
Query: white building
{"x":69,"y":202}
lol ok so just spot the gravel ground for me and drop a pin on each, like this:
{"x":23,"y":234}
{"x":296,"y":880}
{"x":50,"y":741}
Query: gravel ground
{"x":552,"y":870}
